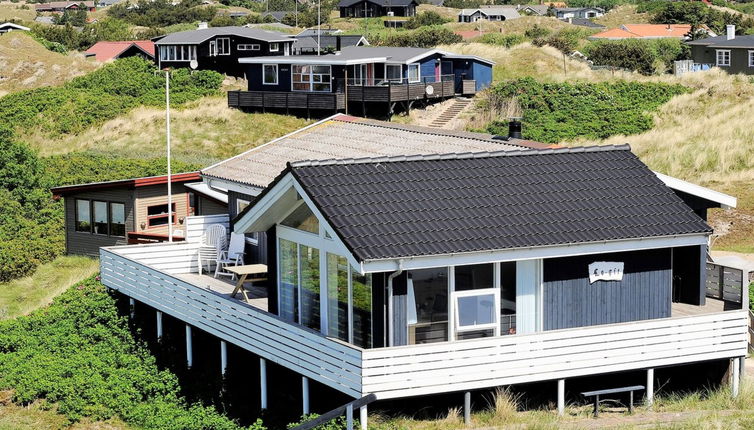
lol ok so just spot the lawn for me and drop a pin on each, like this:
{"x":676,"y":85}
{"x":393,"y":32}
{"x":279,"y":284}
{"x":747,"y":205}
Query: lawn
{"x":36,"y":417}
{"x":23,"y":295}
{"x":9,"y":11}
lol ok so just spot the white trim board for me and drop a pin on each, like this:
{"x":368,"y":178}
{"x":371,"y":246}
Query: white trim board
{"x":724,"y":200}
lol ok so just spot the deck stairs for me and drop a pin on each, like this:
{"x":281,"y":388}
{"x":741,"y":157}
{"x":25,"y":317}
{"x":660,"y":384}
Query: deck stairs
{"x":456,"y":106}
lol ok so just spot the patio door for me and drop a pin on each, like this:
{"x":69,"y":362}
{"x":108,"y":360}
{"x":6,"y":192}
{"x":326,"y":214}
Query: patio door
{"x":528,"y":296}
{"x":359,"y":74}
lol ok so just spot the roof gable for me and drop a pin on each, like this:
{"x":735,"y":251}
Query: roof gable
{"x":451,"y":204}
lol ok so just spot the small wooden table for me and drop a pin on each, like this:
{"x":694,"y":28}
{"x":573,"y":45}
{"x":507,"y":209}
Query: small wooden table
{"x":243,"y":273}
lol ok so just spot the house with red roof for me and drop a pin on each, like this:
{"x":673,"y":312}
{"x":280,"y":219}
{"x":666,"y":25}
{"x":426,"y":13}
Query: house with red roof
{"x":644,"y":31}
{"x":106,"y":51}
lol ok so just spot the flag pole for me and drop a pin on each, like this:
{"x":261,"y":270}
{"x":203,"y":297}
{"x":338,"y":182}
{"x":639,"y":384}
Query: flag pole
{"x":167,"y":134}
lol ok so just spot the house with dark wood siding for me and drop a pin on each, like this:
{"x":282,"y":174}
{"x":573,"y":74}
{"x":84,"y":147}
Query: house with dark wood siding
{"x":373,"y":81}
{"x":219,"y":48}
{"x":731,"y":52}
{"x":376,"y":8}
{"x":132,"y":211}
{"x":405,"y":261}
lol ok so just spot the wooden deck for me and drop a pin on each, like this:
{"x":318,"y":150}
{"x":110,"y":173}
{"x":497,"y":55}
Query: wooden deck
{"x":711,"y":306}
{"x":223,"y":285}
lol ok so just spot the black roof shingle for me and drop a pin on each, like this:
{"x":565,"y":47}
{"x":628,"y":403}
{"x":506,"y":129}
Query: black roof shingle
{"x":397,"y":207}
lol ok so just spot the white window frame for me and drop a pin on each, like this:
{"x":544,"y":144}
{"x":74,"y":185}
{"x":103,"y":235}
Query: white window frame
{"x":751,"y":58}
{"x":311,"y":81}
{"x":264,"y":75}
{"x":724,"y":52}
{"x":400,"y":73}
{"x":212,"y":49}
{"x":222,"y":42}
{"x":418,"y":72}
{"x":494,"y":326}
{"x":248,"y":47}
{"x":274,"y":47}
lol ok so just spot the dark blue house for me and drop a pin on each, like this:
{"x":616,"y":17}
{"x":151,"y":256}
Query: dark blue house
{"x":372,"y":80}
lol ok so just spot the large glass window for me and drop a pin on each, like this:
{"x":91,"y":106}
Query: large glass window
{"x":474,"y":277}
{"x":178,"y":52}
{"x":302,"y":218}
{"x":288,"y":260}
{"x":337,"y":296}
{"x":508,"y":298}
{"x":270,"y":74}
{"x":361,"y":297}
{"x":157,"y":215}
{"x":311,"y":78}
{"x":428,"y":305}
{"x":117,"y":219}
{"x":413,"y":73}
{"x":99,"y":210}
{"x":394,"y":73}
{"x":83,"y":216}
{"x":223,"y":45}
{"x":309,"y":291}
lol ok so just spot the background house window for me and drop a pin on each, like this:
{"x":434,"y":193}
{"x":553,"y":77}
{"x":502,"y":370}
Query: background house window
{"x":178,"y":53}
{"x":157,"y":215}
{"x":751,"y":58}
{"x":270,"y":74}
{"x":312,"y":78}
{"x":117,"y":219}
{"x":248,"y":47}
{"x":223,"y":45}
{"x":394,"y":72}
{"x":274,"y":47}
{"x":413,"y":73}
{"x":723,"y":57}
{"x":83,"y":216}
{"x":99,"y":211}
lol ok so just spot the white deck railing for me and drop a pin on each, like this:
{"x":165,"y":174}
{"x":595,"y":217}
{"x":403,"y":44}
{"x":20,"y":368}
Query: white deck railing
{"x":145,"y":273}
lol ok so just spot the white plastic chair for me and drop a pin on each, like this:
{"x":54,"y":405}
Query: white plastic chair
{"x":215,"y":239}
{"x":233,"y":256}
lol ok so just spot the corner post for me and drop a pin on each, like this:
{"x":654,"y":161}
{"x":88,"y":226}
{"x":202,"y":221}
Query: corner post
{"x":467,"y":408}
{"x":189,"y":348}
{"x":305,"y":395}
{"x":561,"y":397}
{"x":363,"y":417}
{"x":349,"y":416}
{"x":131,"y":308}
{"x":735,"y":372}
{"x":159,"y":326}
{"x":650,"y":387}
{"x":263,"y":383}
{"x":223,"y":357}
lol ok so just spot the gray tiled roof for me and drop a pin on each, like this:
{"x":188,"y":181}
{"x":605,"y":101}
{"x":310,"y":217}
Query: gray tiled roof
{"x":435,"y":205}
{"x":199,"y":36}
{"x":343,"y":136}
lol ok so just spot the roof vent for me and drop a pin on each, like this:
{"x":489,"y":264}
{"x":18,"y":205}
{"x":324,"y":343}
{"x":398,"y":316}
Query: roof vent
{"x":202,"y":25}
{"x":730,"y":32}
{"x":514,"y":128}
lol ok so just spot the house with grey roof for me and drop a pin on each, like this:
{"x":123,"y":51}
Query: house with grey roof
{"x":489,"y":13}
{"x":276,"y":15}
{"x":219,"y":48}
{"x":731,"y":52}
{"x":7,"y":27}
{"x":578,"y":12}
{"x":405,"y":262}
{"x":374,"y":81}
{"x":377,"y":8}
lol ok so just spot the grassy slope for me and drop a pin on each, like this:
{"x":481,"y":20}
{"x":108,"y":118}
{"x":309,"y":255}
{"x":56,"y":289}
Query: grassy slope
{"x":625,"y":14}
{"x":9,"y":11}
{"x":203,"y":132}
{"x":14,"y":417}
{"x":23,"y":295}
{"x":25,"y":64}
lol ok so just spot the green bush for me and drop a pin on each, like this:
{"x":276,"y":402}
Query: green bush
{"x":644,"y":56}
{"x":424,"y":19}
{"x":424,"y":37}
{"x":565,"y":41}
{"x":554,"y":112}
{"x":161,"y":13}
{"x":499,"y":39}
{"x":80,"y":354}
{"x":537,"y":32}
{"x":696,"y":14}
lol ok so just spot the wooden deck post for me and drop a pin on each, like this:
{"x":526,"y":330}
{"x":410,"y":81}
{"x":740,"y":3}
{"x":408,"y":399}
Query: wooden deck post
{"x":159,"y":326}
{"x":561,"y":397}
{"x":735,"y":372}
{"x":650,"y":387}
{"x":131,"y":308}
{"x":263,"y":383}
{"x":467,"y":407}
{"x":189,"y":348}
{"x":363,"y":417}
{"x":349,"y":417}
{"x":305,"y":395}
{"x":223,"y":357}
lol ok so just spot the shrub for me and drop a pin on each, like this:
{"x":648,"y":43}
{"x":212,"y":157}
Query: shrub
{"x":425,"y":37}
{"x":424,"y":19}
{"x":161,"y":13}
{"x":499,"y":39}
{"x":565,"y":41}
{"x":537,"y":32}
{"x":695,"y":13}
{"x":643,"y":56}
{"x":553,"y":112}
{"x":80,"y":354}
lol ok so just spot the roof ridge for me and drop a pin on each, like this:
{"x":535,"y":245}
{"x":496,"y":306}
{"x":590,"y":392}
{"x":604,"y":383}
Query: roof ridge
{"x":459,"y":156}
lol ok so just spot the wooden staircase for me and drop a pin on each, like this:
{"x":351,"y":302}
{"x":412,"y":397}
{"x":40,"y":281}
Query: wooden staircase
{"x":450,"y":113}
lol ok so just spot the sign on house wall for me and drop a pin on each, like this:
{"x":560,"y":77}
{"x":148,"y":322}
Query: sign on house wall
{"x":605,"y":271}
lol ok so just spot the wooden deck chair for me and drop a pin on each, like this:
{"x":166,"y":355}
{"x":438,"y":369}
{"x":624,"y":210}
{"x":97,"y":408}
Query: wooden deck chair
{"x":233,"y":256}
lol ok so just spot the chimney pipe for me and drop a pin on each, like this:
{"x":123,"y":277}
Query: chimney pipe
{"x":730,"y":31}
{"x":202,"y":25}
{"x":514,"y":129}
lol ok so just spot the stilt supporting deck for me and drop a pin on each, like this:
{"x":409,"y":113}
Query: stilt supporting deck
{"x":349,"y":417}
{"x":131,"y":307}
{"x":363,"y":417}
{"x":305,"y":395}
{"x":159,"y":326}
{"x":650,"y":387}
{"x":189,"y":348}
{"x":263,"y":383}
{"x":735,"y":371}
{"x":223,"y":357}
{"x":561,"y":397}
{"x":467,"y":407}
